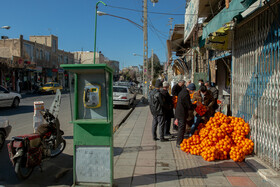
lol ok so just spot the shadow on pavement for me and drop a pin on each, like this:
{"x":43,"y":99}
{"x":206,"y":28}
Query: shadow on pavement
{"x":9,"y":111}
{"x":196,"y":172}
{"x":119,"y":150}
{"x":68,"y":137}
{"x":56,"y":171}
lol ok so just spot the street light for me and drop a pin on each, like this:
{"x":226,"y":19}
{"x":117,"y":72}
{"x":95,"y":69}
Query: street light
{"x":5,"y":27}
{"x":96,"y":7}
{"x":134,"y":54}
{"x":103,"y":14}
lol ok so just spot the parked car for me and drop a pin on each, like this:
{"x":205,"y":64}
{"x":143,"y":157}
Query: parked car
{"x":5,"y":130}
{"x":50,"y":87}
{"x":122,"y":95}
{"x":8,"y":98}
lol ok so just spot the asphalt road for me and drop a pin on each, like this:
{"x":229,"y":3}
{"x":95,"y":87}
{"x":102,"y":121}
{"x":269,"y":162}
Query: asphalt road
{"x":57,"y":171}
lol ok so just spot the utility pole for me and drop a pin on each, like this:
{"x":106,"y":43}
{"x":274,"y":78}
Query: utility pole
{"x":152,"y":60}
{"x":145,"y":51}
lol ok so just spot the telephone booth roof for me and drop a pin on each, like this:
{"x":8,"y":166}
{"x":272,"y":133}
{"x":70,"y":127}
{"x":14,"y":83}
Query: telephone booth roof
{"x":86,"y":68}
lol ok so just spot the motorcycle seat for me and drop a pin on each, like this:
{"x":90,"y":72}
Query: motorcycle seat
{"x":34,"y":139}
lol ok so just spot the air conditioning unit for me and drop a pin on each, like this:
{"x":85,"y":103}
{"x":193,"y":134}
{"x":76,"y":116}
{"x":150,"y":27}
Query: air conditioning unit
{"x":4,"y":37}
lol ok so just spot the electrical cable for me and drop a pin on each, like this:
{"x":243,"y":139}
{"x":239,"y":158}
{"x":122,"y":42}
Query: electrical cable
{"x":163,"y":13}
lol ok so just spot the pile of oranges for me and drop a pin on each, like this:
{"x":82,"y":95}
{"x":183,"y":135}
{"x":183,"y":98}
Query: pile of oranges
{"x":200,"y":109}
{"x":221,"y":138}
{"x":174,"y":99}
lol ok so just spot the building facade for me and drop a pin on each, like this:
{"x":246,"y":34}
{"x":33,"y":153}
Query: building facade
{"x":30,"y":63}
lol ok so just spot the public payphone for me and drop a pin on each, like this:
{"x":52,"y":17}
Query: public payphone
{"x":92,"y":115}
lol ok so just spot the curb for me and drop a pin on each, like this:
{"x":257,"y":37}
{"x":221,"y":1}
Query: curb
{"x":123,"y":120}
{"x":116,"y":127}
{"x":264,"y":170}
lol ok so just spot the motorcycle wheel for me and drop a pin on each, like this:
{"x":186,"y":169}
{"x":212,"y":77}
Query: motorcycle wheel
{"x":20,"y":169}
{"x":59,"y":149}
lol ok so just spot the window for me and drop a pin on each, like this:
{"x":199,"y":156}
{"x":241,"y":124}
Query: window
{"x":28,"y":51}
{"x":2,"y":90}
{"x":65,"y":59}
{"x":119,"y":89}
{"x":37,"y":54}
{"x":47,"y":56}
{"x":54,"y":45}
{"x":41,"y":54}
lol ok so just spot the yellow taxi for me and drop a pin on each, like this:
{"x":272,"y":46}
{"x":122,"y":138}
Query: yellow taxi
{"x":50,"y":87}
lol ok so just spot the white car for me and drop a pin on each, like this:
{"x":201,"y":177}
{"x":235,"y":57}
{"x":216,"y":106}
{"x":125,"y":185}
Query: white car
{"x":122,"y":95}
{"x":8,"y":98}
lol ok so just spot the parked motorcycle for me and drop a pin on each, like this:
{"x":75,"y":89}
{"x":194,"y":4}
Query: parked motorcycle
{"x":28,"y":151}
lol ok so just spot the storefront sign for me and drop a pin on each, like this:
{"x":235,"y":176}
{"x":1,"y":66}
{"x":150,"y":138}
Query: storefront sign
{"x":191,"y":18}
{"x":60,"y":70}
{"x":39,"y":68}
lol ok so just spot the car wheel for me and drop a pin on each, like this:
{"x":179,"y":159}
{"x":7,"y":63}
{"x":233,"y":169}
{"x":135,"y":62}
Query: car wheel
{"x":2,"y":139}
{"x":16,"y":102}
{"x":52,"y":92}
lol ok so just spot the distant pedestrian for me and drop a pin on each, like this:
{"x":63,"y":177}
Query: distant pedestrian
{"x":156,"y":107}
{"x":181,"y":113}
{"x":215,"y":93}
{"x":205,"y":97}
{"x":188,"y":82}
{"x":168,"y":108}
{"x":200,"y":82}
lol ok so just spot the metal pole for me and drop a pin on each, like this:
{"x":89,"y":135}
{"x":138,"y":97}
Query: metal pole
{"x":145,"y":52}
{"x":95,"y":26}
{"x":152,"y":59}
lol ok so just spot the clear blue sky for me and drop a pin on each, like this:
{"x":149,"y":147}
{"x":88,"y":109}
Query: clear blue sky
{"x":73,"y":22}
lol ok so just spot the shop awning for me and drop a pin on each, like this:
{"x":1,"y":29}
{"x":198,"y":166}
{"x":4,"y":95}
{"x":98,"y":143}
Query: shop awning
{"x":236,"y":7}
{"x":220,"y":39}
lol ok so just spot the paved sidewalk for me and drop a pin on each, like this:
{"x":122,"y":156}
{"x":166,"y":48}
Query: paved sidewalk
{"x":140,"y":161}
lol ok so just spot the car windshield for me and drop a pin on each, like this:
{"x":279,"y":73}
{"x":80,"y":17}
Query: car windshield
{"x":120,"y":89}
{"x":2,"y":89}
{"x":48,"y":85}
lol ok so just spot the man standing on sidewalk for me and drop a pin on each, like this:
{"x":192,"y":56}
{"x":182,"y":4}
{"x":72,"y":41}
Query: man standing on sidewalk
{"x":156,"y":107}
{"x":181,"y":113}
{"x":168,"y":109}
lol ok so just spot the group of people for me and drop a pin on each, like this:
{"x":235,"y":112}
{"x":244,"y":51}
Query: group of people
{"x":184,"y":114}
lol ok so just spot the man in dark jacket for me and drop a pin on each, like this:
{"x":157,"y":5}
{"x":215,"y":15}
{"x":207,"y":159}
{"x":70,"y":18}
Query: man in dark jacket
{"x":215,"y":93}
{"x":156,"y":107}
{"x":167,"y":109}
{"x":181,"y":113}
{"x":175,"y":92}
{"x":177,"y":88}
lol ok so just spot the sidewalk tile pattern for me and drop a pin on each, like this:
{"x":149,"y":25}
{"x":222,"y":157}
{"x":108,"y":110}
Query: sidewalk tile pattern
{"x":140,"y":161}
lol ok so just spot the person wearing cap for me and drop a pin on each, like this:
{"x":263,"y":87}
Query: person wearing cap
{"x":205,"y":97}
{"x":214,"y":91}
{"x":181,"y":113}
{"x":156,"y":106}
{"x":168,"y":108}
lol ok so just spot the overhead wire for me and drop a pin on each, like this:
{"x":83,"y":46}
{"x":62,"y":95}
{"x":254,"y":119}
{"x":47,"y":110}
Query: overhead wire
{"x":153,"y":30}
{"x":164,"y":13}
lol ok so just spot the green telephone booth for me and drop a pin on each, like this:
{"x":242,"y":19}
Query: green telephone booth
{"x":92,"y":115}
